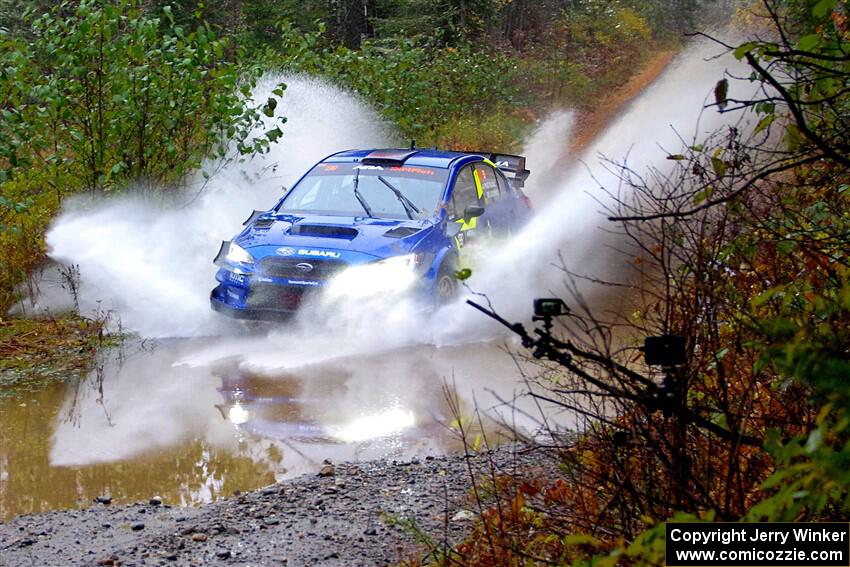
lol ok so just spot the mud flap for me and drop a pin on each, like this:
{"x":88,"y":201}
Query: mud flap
{"x":222,"y":253}
{"x":253,"y":217}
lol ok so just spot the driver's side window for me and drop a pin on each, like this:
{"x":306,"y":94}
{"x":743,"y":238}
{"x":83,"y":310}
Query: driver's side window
{"x":465,"y":193}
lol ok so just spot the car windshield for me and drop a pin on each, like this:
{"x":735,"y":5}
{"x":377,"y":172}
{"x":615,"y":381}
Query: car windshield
{"x":351,"y":189}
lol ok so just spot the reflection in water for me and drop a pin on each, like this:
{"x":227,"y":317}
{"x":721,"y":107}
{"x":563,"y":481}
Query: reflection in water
{"x":187,"y":473}
{"x":393,"y":421}
{"x":178,"y":422}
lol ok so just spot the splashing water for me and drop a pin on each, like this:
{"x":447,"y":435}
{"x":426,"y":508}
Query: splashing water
{"x":152,"y":263}
{"x":571,"y":223}
{"x":546,"y":151}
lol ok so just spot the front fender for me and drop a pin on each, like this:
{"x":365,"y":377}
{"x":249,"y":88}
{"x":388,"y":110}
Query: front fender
{"x":446,"y":254}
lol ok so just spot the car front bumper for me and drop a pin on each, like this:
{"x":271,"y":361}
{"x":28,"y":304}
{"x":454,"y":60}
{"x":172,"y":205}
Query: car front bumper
{"x":277,"y":291}
{"x":264,"y":302}
{"x":250,"y":313}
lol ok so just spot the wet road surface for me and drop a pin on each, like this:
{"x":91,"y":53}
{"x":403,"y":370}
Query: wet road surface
{"x":193,"y":420}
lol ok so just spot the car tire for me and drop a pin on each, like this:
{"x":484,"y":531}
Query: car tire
{"x":446,"y":285}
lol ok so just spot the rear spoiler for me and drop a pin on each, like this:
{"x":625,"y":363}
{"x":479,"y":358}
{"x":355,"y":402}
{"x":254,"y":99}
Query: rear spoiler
{"x":512,"y":166}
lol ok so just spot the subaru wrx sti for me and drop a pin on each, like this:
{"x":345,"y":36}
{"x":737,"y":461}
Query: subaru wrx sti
{"x":366,"y":222}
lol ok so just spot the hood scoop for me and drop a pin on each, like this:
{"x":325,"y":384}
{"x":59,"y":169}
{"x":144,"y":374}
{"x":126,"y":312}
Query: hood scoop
{"x":401,"y":232}
{"x":324,"y":230}
{"x":263,"y":223}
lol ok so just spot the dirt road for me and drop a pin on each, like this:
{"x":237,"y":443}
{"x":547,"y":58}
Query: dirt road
{"x":348,"y":514}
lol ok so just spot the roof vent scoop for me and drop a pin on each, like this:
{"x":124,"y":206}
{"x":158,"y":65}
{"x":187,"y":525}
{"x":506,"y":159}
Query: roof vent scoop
{"x":388,"y":157}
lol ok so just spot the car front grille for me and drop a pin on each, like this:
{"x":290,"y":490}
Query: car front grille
{"x":270,"y":296}
{"x":301,"y":269}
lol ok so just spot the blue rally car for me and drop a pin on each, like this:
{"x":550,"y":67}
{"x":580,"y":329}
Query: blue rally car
{"x":370,"y":222}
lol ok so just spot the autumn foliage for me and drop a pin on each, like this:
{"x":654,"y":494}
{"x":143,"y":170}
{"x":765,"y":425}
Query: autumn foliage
{"x":740,"y":246}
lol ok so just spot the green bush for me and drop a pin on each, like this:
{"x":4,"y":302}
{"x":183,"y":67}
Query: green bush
{"x":422,"y":90}
{"x":98,"y":95}
{"x":26,"y":208}
{"x":117,"y":95}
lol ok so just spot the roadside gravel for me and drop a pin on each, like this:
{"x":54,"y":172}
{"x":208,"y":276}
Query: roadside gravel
{"x":348,"y":514}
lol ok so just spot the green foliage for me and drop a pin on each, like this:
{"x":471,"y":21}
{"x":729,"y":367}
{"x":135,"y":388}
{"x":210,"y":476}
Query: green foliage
{"x":26,"y":207}
{"x":589,"y":49}
{"x":98,"y":95}
{"x":118,"y":96}
{"x":800,"y":321}
{"x":421,"y":90}
{"x":648,"y":548}
{"x":438,"y":71}
{"x":812,"y":480}
{"x":812,"y":98}
{"x":757,"y":239}
{"x":441,"y":23}
{"x":457,"y":93}
{"x":676,"y":16}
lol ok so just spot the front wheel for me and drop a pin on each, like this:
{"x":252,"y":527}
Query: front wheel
{"x":446,"y":285}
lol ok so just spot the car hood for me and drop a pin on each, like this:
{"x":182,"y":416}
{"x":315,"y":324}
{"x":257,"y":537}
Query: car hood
{"x":352,"y":239}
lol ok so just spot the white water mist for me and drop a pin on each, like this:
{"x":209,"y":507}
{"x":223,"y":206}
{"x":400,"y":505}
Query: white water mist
{"x":151,"y":262}
{"x":572,"y":224}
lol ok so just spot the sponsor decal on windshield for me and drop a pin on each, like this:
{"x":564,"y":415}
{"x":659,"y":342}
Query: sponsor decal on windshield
{"x":416,"y":170}
{"x":399,"y":168}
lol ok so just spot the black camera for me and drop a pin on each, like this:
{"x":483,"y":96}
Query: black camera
{"x":550,"y":307}
{"x":666,"y":350}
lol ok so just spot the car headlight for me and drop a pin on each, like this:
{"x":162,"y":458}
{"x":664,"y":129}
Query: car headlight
{"x":238,"y":255}
{"x":408,"y":261}
{"x":391,"y":275}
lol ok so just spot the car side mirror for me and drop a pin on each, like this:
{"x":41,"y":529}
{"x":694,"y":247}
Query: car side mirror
{"x":472,"y":211}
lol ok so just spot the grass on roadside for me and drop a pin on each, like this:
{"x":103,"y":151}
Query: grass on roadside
{"x":36,"y":353}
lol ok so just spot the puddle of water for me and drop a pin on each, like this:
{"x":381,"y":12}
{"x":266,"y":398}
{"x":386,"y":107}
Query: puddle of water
{"x":148,"y":423}
{"x":188,"y":473}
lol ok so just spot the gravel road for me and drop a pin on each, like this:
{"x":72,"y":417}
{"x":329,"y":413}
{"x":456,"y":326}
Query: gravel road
{"x":348,"y":514}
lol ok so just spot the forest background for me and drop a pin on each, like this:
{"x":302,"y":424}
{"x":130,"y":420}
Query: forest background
{"x":740,"y":249}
